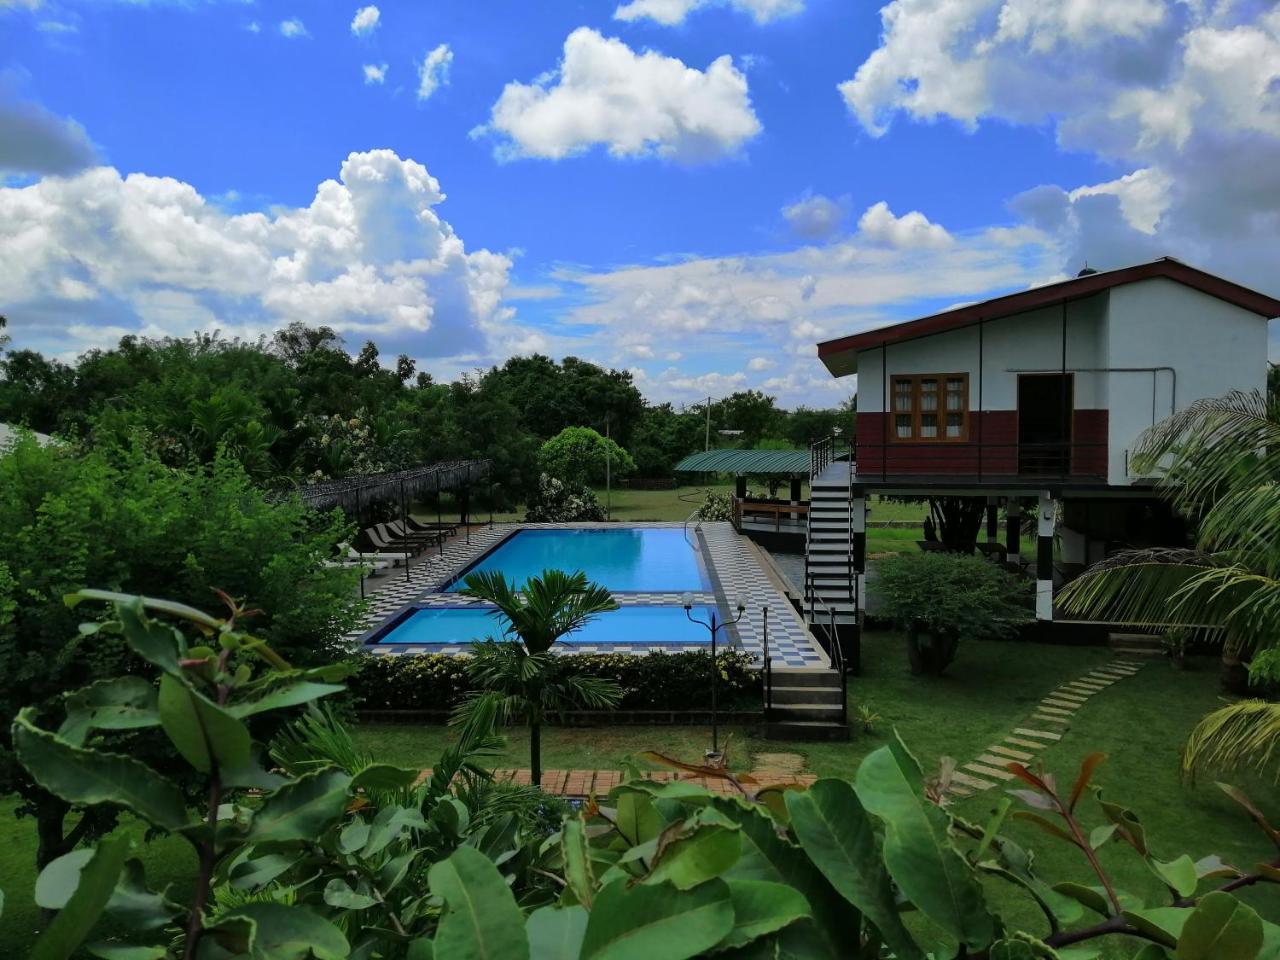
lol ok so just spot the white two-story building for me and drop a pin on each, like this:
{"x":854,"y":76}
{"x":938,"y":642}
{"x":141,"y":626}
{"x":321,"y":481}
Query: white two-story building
{"x":1039,"y":394}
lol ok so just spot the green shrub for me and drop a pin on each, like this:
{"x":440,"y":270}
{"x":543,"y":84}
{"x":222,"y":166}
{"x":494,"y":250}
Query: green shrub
{"x":716,"y":506}
{"x":560,"y":502}
{"x":940,"y":599}
{"x":580,"y":456}
{"x":656,"y":681}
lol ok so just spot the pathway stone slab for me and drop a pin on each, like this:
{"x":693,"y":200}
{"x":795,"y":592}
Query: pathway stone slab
{"x":1023,"y":742}
{"x":1044,"y":734}
{"x":1044,"y":707}
{"x":987,"y":761}
{"x":1012,"y":754}
{"x":1070,"y":696}
{"x":1047,"y":718}
{"x":975,"y":783}
{"x":1064,"y":705}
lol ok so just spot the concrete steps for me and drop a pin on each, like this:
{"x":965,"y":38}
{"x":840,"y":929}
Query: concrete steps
{"x":1136,"y":645}
{"x":806,"y":706}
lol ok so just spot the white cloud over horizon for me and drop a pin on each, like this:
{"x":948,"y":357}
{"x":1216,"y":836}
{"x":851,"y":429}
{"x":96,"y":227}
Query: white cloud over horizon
{"x":85,"y":257}
{"x":673,"y":12}
{"x":375,"y":73}
{"x":816,"y":217}
{"x":645,"y":104}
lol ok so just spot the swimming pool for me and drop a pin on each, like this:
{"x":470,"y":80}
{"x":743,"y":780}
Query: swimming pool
{"x":624,"y":559}
{"x":626,"y":625}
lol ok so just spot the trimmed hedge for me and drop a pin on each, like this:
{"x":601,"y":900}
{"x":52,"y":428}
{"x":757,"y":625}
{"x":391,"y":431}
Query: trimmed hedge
{"x":655,"y":681}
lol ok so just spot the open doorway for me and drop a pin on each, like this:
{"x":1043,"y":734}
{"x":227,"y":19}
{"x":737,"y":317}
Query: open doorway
{"x":1046,"y":402}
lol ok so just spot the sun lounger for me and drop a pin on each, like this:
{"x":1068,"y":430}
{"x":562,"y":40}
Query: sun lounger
{"x":431,"y":526}
{"x":396,"y":529}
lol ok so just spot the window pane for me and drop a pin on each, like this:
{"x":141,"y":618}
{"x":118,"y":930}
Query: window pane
{"x":903,"y":426}
{"x":928,"y":401}
{"x":955,"y":401}
{"x":955,"y":423}
{"x":928,"y":385}
{"x":902,"y":403}
{"x":928,"y":425}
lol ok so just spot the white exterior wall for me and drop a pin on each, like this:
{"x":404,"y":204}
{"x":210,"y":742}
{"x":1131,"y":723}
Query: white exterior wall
{"x":1212,"y":346}
{"x":1028,"y":341}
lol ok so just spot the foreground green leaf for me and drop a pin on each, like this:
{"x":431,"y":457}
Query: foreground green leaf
{"x":917,"y":849}
{"x":760,"y":908}
{"x":481,"y":919}
{"x":204,"y":733}
{"x":1220,"y":928}
{"x":283,"y":932}
{"x":839,"y":837}
{"x":555,"y":933}
{"x":302,"y":809}
{"x":657,"y":922}
{"x":91,"y":777}
{"x":95,"y":884}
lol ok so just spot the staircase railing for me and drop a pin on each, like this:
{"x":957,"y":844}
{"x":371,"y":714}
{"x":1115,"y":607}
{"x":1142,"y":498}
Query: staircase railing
{"x":835,"y":654}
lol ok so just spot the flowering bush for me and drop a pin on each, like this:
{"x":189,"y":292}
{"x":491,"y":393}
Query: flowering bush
{"x":560,"y":502}
{"x":716,"y":506}
{"x":656,"y":681}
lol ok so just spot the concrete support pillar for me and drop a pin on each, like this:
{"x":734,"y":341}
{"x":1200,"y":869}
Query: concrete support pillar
{"x":1046,"y":514}
{"x":993,"y":519}
{"x":796,"y":485}
{"x":858,"y":511}
{"x":1074,"y":547}
{"x":1013,"y":532}
{"x":740,"y":487}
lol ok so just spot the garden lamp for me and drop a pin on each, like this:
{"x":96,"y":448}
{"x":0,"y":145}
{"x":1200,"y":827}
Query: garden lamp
{"x":714,"y":625}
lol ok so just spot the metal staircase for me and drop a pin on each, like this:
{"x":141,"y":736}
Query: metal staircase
{"x":830,"y":581}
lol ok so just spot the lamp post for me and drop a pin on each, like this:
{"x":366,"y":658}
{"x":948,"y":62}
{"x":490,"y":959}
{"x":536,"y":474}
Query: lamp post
{"x":714,"y":626}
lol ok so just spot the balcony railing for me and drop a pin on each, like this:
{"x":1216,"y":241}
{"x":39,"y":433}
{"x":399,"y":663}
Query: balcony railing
{"x":1065,"y":462}
{"x":826,"y":451}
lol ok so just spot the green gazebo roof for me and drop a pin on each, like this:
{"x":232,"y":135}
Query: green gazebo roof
{"x":788,"y":463}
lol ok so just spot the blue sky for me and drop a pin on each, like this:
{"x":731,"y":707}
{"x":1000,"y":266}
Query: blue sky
{"x":697,"y":190}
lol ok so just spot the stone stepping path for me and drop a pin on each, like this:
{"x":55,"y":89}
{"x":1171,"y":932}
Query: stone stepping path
{"x":1050,"y":719}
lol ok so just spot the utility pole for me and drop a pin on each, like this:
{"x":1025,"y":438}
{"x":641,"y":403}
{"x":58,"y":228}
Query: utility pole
{"x":608,"y":473}
{"x":706,"y":444}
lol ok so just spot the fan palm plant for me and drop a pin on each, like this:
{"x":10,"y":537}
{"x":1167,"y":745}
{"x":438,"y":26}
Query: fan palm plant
{"x":521,"y":677}
{"x":1220,"y":465}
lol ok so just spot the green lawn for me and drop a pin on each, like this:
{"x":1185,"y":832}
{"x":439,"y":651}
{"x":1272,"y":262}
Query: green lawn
{"x":1140,"y":723}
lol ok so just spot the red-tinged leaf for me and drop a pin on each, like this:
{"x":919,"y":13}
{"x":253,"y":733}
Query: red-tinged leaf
{"x":1020,"y":771}
{"x":1240,"y":797}
{"x":1047,"y":826}
{"x":720,"y":773}
{"x":1033,"y":799}
{"x":1087,"y":767}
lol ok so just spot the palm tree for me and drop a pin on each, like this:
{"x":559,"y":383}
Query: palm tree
{"x":1221,"y":460}
{"x":521,"y":677}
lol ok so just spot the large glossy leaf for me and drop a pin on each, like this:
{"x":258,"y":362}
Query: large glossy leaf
{"x":287,"y":695}
{"x":254,"y":872}
{"x":157,"y":643}
{"x":302,"y":809}
{"x":694,"y":853}
{"x":91,"y":777}
{"x":59,"y":879}
{"x":119,"y":703}
{"x":481,"y":920}
{"x":917,"y":849}
{"x":1179,"y":874}
{"x":125,"y":951}
{"x":1017,"y":865}
{"x":135,"y":905}
{"x":291,"y":933}
{"x":338,"y":893}
{"x":383,"y":776}
{"x":637,"y":818}
{"x":768,"y":856}
{"x":657,"y":922}
{"x":760,"y":908}
{"x":204,"y":733}
{"x":555,"y":933}
{"x":840,"y":838}
{"x":1220,"y":928}
{"x":95,"y":884}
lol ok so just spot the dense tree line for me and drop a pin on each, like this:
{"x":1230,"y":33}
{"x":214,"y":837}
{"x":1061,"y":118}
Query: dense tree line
{"x":299,"y":407}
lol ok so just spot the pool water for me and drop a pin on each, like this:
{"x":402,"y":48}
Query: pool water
{"x":624,"y":560}
{"x":626,"y":625}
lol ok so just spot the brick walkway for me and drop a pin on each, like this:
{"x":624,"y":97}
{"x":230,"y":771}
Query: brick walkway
{"x":1045,"y":727}
{"x":586,"y":783}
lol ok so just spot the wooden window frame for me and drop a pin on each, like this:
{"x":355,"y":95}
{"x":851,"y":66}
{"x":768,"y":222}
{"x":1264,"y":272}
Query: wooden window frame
{"x":914,"y":379}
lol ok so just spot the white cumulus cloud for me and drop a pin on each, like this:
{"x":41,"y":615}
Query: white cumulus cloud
{"x":365,"y":21}
{"x":433,"y":72}
{"x":293,"y":29}
{"x":672,"y":12}
{"x":913,"y":229}
{"x":368,"y":256}
{"x":634,"y":104}
{"x":375,"y":73}
{"x":1184,"y":96}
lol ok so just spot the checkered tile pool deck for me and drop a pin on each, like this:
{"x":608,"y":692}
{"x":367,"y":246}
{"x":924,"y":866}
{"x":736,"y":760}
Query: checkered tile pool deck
{"x":735,"y":571}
